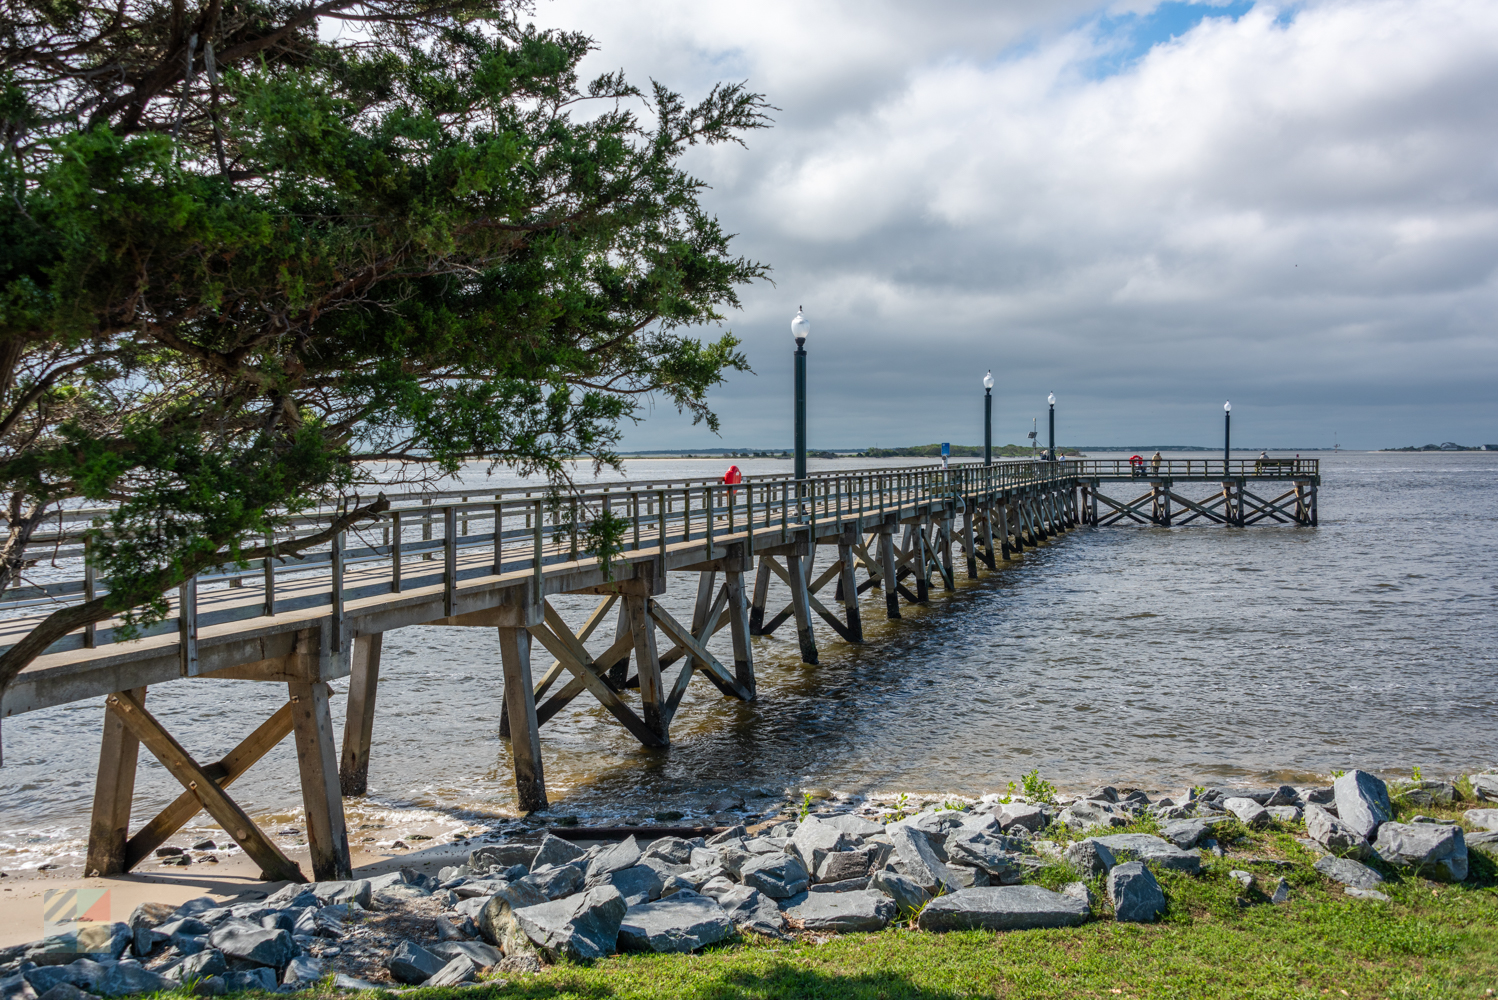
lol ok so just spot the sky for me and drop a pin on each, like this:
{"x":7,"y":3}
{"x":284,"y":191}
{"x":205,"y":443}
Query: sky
{"x":1145,"y":208}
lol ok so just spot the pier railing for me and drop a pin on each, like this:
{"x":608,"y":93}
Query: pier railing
{"x":450,"y":537}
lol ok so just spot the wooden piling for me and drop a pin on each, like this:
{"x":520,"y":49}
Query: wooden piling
{"x":114,"y":793}
{"x":525,"y":732}
{"x":317,"y":764}
{"x":358,"y":728}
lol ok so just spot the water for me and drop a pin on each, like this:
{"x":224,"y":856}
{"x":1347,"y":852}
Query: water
{"x":1156,"y":657}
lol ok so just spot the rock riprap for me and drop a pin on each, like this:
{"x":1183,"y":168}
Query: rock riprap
{"x":1002,"y":908}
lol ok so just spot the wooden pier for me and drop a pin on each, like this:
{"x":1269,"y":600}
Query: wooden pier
{"x":493,"y":560}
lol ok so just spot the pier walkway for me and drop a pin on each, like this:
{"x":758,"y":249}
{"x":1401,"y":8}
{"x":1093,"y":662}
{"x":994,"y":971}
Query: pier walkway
{"x":494,"y":559}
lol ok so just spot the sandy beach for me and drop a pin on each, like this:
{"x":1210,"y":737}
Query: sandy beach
{"x":22,"y":895}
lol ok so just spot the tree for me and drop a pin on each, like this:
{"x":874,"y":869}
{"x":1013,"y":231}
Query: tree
{"x":240,"y":262}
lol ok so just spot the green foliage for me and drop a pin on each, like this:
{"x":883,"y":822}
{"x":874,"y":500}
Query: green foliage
{"x":1037,"y":789}
{"x":899,"y":812}
{"x":805,"y":806}
{"x":229,"y":297}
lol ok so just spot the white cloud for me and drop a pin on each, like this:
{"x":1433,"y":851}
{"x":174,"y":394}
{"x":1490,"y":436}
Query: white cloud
{"x":1306,"y":198}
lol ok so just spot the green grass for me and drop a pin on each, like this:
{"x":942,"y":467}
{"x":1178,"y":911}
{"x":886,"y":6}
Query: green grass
{"x":1432,"y":941}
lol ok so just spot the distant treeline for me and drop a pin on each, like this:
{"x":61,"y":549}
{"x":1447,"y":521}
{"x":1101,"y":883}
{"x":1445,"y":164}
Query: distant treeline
{"x":960,"y":451}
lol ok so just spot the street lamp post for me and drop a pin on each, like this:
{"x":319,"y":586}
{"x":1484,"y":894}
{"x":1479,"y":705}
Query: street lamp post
{"x":1052,"y":400}
{"x":799,"y":329}
{"x":1227,"y":433}
{"x":988,"y":418}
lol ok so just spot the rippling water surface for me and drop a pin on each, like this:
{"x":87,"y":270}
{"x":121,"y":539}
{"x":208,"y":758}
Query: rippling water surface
{"x":1155,"y":656}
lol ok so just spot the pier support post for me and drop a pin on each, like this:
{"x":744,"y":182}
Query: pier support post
{"x":520,"y":705}
{"x":1004,"y":532}
{"x":889,"y":570}
{"x":801,"y":604}
{"x":848,"y":585}
{"x":358,"y":728}
{"x":761,"y":595}
{"x":114,"y":792}
{"x":944,"y":532}
{"x":648,"y":666}
{"x":738,"y":624}
{"x":317,"y":762}
{"x":969,"y":545}
{"x":916,"y":534}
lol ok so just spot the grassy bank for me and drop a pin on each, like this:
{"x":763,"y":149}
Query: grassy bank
{"x":1215,"y":941}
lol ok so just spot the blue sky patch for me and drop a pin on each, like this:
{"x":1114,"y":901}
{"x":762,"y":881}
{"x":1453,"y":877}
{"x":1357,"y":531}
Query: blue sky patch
{"x":1131,"y":36}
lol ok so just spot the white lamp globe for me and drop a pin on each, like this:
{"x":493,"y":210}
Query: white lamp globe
{"x":1227,"y":407}
{"x":1051,"y":399}
{"x":800,"y":327}
{"x":988,"y":380}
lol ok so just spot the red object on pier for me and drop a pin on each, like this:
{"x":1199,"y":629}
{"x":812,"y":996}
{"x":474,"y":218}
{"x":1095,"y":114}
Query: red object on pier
{"x":733,"y":475}
{"x":1136,"y":459}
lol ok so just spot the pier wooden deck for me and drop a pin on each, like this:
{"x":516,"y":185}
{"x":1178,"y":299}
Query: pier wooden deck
{"x":493,"y":560}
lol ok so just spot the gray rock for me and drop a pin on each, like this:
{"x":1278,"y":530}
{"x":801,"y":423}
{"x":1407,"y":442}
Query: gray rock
{"x":1284,"y":814}
{"x":482,"y":955}
{"x":1362,"y":802}
{"x":777,"y":876}
{"x":1247,"y":810}
{"x":1243,"y":878}
{"x":359,"y":891}
{"x":1348,"y":872}
{"x":1281,"y":892}
{"x":1135,"y":893}
{"x":1487,"y":819}
{"x":731,"y":834}
{"x":713,"y":888}
{"x":302,"y":969}
{"x":556,"y":881}
{"x":1285,"y":795}
{"x":1438,"y":852}
{"x":846,"y":885}
{"x":844,"y":911}
{"x":1334,"y":835}
{"x":683,"y":923}
{"x":994,"y":854}
{"x":1081,"y":892}
{"x":556,"y":851}
{"x":1365,"y":893}
{"x":916,"y":852}
{"x":815,"y":839}
{"x":341,"y":981}
{"x":906,"y":893}
{"x":132,"y":977}
{"x":855,"y":826}
{"x":1086,"y":815}
{"x":704,"y":857}
{"x":673,"y":850}
{"x":1025,"y":815}
{"x":208,"y":962}
{"x":250,"y":979}
{"x":15,"y":987}
{"x":698,"y":877}
{"x":967,"y":876}
{"x":1485,"y":786}
{"x":482,"y":859}
{"x":496,"y":919}
{"x":1185,"y":833}
{"x":199,"y":966}
{"x":63,"y":991}
{"x":752,"y":910}
{"x":581,"y":927}
{"x":1091,"y":857}
{"x":838,"y":866}
{"x":455,"y":973}
{"x":614,"y":858}
{"x":151,"y":914}
{"x":1103,"y":793}
{"x":672,"y":884}
{"x":1002,"y":908}
{"x":270,"y":948}
{"x":637,"y":885}
{"x":412,"y":964}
